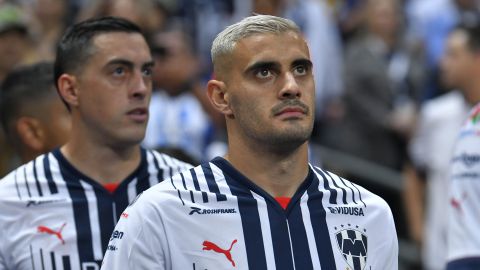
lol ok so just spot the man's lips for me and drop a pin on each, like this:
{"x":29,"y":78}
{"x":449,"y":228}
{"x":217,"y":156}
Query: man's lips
{"x":138,"y":114}
{"x":292,"y":111}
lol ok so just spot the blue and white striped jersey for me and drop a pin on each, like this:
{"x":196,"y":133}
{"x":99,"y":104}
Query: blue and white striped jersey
{"x":54,"y":217}
{"x":212,"y":217}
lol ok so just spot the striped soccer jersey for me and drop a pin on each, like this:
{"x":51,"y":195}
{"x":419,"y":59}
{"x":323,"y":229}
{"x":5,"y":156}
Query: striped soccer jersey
{"x":464,"y":220}
{"x":54,"y":217}
{"x":212,"y":217}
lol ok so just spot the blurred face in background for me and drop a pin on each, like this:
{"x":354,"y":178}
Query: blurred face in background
{"x":459,"y":61}
{"x":175,"y":62}
{"x":383,"y":17}
{"x":13,"y":49}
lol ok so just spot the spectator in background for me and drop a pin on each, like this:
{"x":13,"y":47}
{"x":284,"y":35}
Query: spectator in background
{"x":14,"y":47}
{"x":463,"y":252}
{"x":32,"y":115}
{"x":384,"y":81}
{"x":48,"y":21}
{"x":429,"y":24}
{"x":177,"y":118}
{"x":14,"y":39}
{"x":431,"y":147}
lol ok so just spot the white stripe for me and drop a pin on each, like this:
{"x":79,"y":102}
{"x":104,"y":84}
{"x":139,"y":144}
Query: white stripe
{"x":57,"y":177}
{"x":312,"y":246}
{"x":202,"y":182}
{"x":161,"y":164}
{"x":94,"y":220}
{"x":30,"y":177}
{"x":152,"y":171}
{"x":266,"y":231}
{"x":220,"y":179}
{"x":291,"y":245}
{"x":41,"y":176}
{"x":197,"y":196}
{"x":132,"y":190}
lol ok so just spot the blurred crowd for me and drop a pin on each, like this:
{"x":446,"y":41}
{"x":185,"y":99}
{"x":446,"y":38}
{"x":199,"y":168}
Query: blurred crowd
{"x":394,"y":82}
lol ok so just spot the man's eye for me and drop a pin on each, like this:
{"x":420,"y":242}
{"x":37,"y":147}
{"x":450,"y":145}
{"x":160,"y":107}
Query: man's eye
{"x":147,"y":72}
{"x":119,"y":71}
{"x":263,"y":73}
{"x":301,"y":70}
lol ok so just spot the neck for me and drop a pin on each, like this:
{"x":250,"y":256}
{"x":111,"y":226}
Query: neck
{"x":472,"y":91}
{"x":278,"y":173}
{"x":105,"y":163}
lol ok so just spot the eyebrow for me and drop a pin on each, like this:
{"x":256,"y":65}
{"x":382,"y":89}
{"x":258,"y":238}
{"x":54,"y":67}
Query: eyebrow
{"x":302,"y":62}
{"x":261,"y":65}
{"x":128,"y":63}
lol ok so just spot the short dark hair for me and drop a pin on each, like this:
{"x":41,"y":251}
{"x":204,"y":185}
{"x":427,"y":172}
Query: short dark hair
{"x":27,"y":84}
{"x":75,"y":46}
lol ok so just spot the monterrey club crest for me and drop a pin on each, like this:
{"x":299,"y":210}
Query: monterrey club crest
{"x":353,"y":245}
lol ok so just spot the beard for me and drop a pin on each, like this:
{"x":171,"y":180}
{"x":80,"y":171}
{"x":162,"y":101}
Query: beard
{"x":277,"y":138}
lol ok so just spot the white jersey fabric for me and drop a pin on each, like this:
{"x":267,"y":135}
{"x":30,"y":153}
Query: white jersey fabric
{"x":431,"y":150}
{"x":54,"y":217}
{"x":213,"y":217}
{"x":464,"y":219}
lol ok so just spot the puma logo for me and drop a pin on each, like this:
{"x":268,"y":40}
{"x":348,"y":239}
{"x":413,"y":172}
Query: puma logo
{"x":207,"y":245}
{"x":58,"y":234}
{"x":457,"y":203}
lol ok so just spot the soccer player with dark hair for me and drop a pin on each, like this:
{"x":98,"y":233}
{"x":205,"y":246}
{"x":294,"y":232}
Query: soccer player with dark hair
{"x":58,"y":211}
{"x":31,"y":113}
{"x":262,"y":205}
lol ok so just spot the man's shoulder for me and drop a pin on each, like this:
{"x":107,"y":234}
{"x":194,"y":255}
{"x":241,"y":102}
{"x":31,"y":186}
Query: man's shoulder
{"x":166,"y":161}
{"x":346,"y":193}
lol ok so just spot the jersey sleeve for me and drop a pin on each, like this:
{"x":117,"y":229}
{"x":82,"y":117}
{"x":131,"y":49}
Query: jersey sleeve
{"x":386,"y":253}
{"x":136,"y":242}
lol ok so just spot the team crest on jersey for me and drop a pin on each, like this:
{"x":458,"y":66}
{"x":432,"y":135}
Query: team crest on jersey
{"x":353,"y":246}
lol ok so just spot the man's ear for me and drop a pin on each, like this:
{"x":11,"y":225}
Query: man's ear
{"x":218,"y":96}
{"x":30,"y":133}
{"x":67,"y":87}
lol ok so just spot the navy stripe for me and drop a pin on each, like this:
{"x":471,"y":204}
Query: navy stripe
{"x":197,"y":186}
{"x":250,"y":217}
{"x":301,"y":250}
{"x":353,"y":192}
{"x":26,"y":182}
{"x":39,"y":188}
{"x":212,"y":184}
{"x":52,"y":258}
{"x":48,"y":174}
{"x":81,"y":215}
{"x":344,"y":194}
{"x":16,"y":185}
{"x":472,"y":263}
{"x":170,"y":168}
{"x":143,"y":182}
{"x":66,"y":262}
{"x":180,"y":196}
{"x":41,"y":259}
{"x":192,"y":197}
{"x":159,"y":171}
{"x":183,"y":181}
{"x":333,"y":192}
{"x":359,"y":194}
{"x":320,"y":228}
{"x":280,"y":238}
{"x":31,"y":257}
{"x":105,"y":216}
